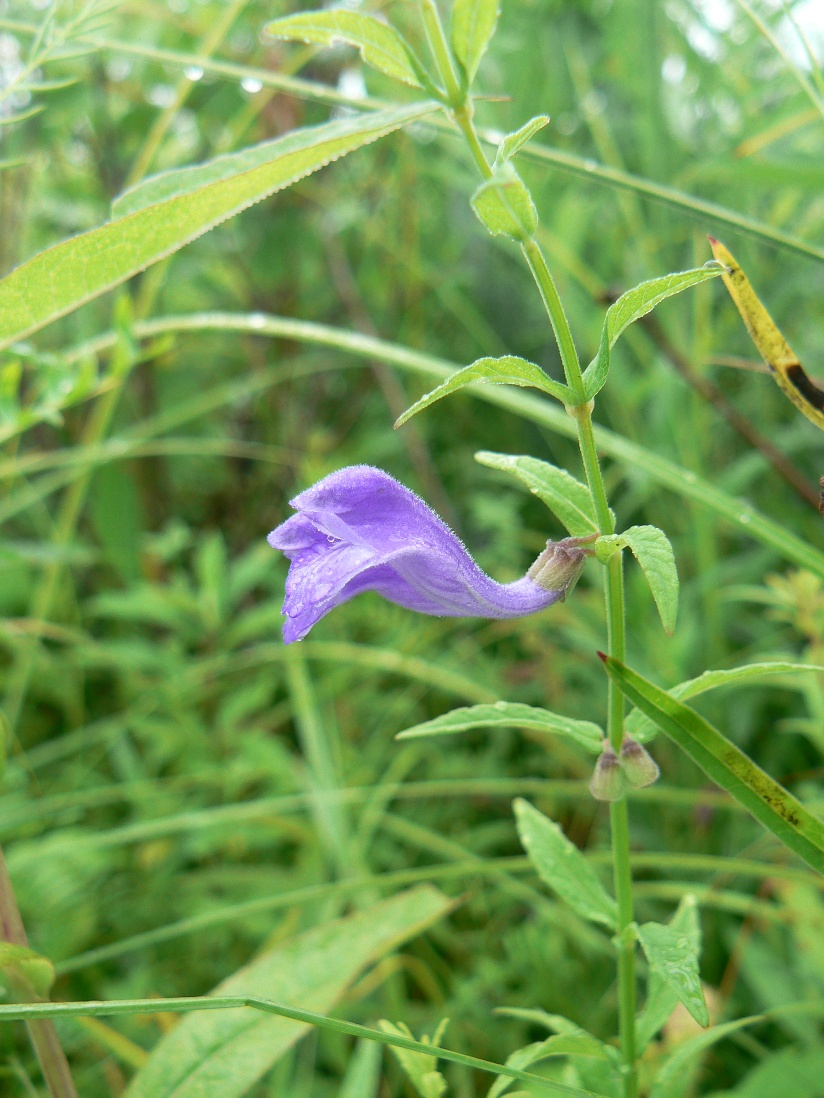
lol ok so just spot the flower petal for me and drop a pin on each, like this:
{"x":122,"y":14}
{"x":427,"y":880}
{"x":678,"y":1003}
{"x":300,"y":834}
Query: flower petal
{"x":360,"y":530}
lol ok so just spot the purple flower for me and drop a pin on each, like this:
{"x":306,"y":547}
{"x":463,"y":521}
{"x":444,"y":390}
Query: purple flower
{"x":360,"y":530}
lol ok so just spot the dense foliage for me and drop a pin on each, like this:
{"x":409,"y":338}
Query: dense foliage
{"x":183,"y":793}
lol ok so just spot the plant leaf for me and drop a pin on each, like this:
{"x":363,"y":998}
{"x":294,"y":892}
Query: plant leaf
{"x":508,"y":370}
{"x":363,"y":1072}
{"x":563,"y":867}
{"x":515,"y":141}
{"x":420,"y":1068}
{"x":630,"y":307}
{"x":661,"y":998}
{"x":67,"y":275}
{"x":643,"y":729}
{"x":226,"y":1052}
{"x":509,"y":715}
{"x":568,"y":499}
{"x":669,"y":1082}
{"x":473,"y":25}
{"x":672,"y":956}
{"x":25,"y":970}
{"x":566,"y":1044}
{"x":783,"y":362}
{"x":380,"y":45}
{"x":504,"y":205}
{"x":767,"y":801}
{"x":651,"y":548}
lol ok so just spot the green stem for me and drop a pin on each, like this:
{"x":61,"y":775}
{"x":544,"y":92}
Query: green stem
{"x":624,"y":944}
{"x":616,"y":623}
{"x":442,"y":54}
{"x":557,"y":317}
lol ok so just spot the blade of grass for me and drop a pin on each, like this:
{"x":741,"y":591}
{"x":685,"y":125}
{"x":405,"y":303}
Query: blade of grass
{"x":773,"y":806}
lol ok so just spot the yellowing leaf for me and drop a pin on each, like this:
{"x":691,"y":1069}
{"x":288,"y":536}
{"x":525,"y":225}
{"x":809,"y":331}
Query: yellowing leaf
{"x":783,"y":362}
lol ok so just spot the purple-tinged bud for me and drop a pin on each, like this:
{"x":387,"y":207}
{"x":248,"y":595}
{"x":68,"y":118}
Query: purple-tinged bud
{"x":608,"y":782}
{"x":640,"y":768}
{"x":560,"y":564}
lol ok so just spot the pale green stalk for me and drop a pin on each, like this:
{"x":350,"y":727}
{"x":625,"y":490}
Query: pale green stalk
{"x":581,"y":411}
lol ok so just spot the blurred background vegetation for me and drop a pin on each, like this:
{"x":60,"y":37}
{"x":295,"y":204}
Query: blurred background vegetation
{"x":168,"y":759}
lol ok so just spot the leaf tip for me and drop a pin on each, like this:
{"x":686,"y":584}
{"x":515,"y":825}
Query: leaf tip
{"x":602,"y":656}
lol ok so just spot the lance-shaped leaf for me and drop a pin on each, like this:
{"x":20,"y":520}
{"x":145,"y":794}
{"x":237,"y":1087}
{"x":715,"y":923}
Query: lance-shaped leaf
{"x":630,"y":307}
{"x":772,"y":346}
{"x":563,"y":867}
{"x":516,"y":140}
{"x":225,"y":1052}
{"x":661,"y":997}
{"x":641,"y":728}
{"x":568,"y":499}
{"x":60,"y":279}
{"x":380,"y":45}
{"x":504,"y":205}
{"x":510,"y":715}
{"x":508,"y":370}
{"x":473,"y":24}
{"x":774,"y":807}
{"x":651,"y":548}
{"x":672,"y":957}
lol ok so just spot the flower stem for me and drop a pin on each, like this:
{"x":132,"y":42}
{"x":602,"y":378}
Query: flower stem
{"x":442,"y":53}
{"x":616,"y":622}
{"x":42,"y":1033}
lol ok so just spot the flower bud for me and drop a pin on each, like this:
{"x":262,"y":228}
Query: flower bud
{"x":560,"y":564}
{"x":608,"y":782}
{"x":640,"y":768}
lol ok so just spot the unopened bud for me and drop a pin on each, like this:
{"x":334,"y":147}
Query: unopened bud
{"x":639,"y":766}
{"x":608,"y":782}
{"x":560,"y":564}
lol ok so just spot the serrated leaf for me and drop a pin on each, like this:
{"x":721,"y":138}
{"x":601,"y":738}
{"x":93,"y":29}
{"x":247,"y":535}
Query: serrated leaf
{"x":516,"y":140}
{"x":67,"y":275}
{"x":508,"y":370}
{"x":661,"y":999}
{"x":29,"y":973}
{"x":774,"y":807}
{"x":633,"y":305}
{"x":504,"y":205}
{"x":473,"y":25}
{"x":563,"y":867}
{"x":568,"y":499}
{"x":672,"y":956}
{"x":509,"y":715}
{"x":380,"y":45}
{"x":643,"y":729}
{"x":783,"y":362}
{"x":225,"y":1052}
{"x":651,"y":548}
